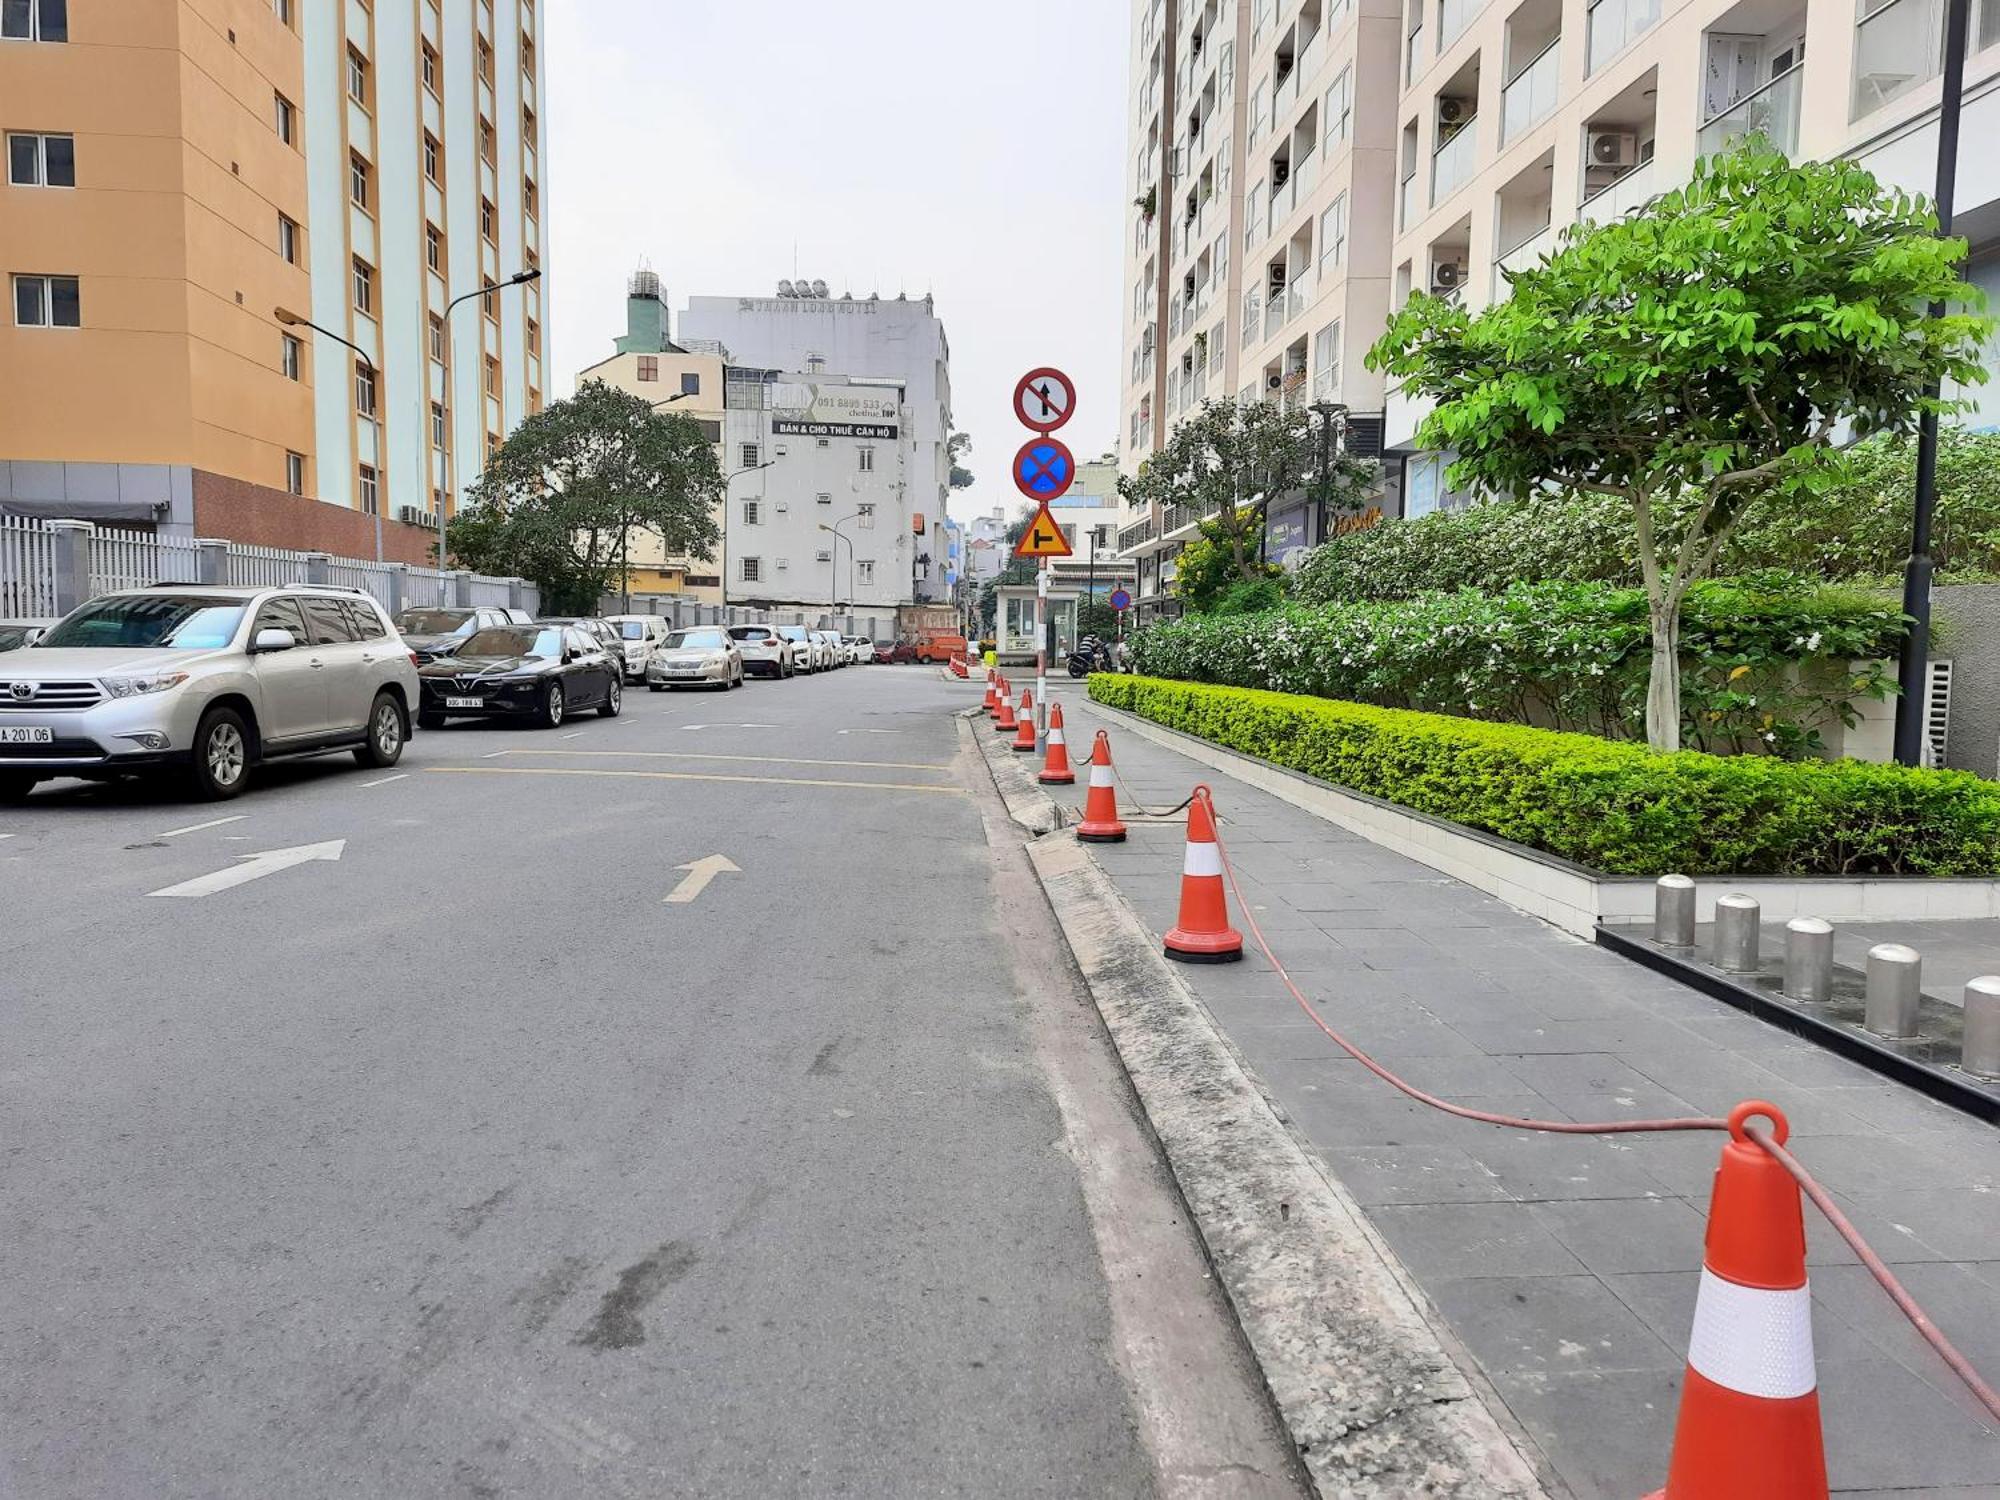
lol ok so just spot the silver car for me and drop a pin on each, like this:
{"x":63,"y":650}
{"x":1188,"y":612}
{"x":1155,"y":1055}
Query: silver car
{"x":703,"y":657}
{"x":808,"y":650}
{"x":204,"y":684}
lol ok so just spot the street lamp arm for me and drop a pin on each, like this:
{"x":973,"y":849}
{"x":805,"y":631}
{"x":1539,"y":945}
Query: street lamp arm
{"x":293,"y":320}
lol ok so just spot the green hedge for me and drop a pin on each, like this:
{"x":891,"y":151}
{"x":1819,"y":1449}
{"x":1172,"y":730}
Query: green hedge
{"x":1618,"y":808}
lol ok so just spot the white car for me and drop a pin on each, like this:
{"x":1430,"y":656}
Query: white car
{"x":764,"y":651}
{"x":642,"y":636}
{"x":860,"y":650}
{"x":808,"y":650}
{"x":836,"y":653}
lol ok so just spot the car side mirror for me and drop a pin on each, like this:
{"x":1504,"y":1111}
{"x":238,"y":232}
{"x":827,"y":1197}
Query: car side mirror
{"x":273,"y":638}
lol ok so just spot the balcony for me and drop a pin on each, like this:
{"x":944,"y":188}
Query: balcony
{"x":1133,"y":536}
{"x":1527,"y":101}
{"x":1614,"y":25}
{"x":1453,"y":17}
{"x":1901,"y":44}
{"x":1528,"y":253}
{"x":1452,"y":163}
{"x":1772,"y":112}
{"x":1406,"y":196}
{"x":1631,"y":191}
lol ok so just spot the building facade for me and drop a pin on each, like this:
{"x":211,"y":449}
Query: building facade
{"x":1301,"y":167}
{"x":191,"y":184}
{"x":819,"y":504}
{"x":804,"y":329}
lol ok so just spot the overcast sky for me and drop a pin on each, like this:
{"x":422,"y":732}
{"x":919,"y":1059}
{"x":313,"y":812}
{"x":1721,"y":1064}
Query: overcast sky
{"x":970,"y":150}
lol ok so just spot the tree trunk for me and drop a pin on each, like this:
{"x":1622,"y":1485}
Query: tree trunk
{"x":1663,"y":689}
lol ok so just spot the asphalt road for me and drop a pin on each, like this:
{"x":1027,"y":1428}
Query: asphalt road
{"x":463,"y":1164}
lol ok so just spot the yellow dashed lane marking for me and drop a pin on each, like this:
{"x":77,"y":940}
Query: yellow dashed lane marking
{"x":866,"y":786}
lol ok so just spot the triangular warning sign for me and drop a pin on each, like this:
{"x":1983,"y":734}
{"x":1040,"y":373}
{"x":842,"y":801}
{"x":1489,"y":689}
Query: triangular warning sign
{"x":1043,"y":538}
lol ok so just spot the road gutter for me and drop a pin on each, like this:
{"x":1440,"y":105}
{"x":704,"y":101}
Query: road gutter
{"x":1357,"y":1364}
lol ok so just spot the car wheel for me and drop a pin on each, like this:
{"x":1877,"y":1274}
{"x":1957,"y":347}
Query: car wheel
{"x":430,"y":721}
{"x":553,"y":706}
{"x":14,"y":789}
{"x":388,"y":732}
{"x":221,"y":766}
{"x":613,"y":701}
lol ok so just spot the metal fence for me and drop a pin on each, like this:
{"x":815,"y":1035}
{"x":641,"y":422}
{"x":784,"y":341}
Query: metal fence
{"x":49,"y":567}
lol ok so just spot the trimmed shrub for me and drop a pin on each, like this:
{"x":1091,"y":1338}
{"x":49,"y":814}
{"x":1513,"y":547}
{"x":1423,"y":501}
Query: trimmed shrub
{"x":1618,"y":808}
{"x":1765,"y":663}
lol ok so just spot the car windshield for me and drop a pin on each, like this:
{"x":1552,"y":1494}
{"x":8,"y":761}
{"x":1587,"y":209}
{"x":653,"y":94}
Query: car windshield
{"x":168,"y":622}
{"x":513,"y":640}
{"x":633,"y":630}
{"x":433,"y":621}
{"x":696,"y":640}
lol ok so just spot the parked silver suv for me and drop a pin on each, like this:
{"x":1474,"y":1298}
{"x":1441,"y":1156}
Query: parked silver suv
{"x":204,"y":683}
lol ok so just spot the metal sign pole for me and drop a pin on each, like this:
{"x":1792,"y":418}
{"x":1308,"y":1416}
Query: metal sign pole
{"x":1042,"y":653}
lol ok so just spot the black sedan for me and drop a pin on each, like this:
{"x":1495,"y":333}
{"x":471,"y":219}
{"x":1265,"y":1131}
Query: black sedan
{"x":539,"y":672}
{"x":432,"y":633}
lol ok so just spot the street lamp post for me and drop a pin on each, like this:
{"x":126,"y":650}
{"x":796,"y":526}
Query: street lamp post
{"x":727,"y":480}
{"x":519,"y":278}
{"x":1328,"y":413}
{"x":1914,"y":665}
{"x":838,"y":537}
{"x":291,"y":319}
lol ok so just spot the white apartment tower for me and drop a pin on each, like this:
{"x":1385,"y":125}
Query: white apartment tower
{"x":422,"y":128}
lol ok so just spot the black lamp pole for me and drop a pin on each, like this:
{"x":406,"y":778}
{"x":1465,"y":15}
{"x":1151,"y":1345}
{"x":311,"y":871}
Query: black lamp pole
{"x":1914,"y":666}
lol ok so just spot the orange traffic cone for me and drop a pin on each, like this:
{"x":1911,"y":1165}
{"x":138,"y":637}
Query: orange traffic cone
{"x":1024,"y":741}
{"x":1055,"y":769}
{"x":1749,"y":1420}
{"x":987,"y":703}
{"x":1003,"y":718}
{"x":1203,"y":934}
{"x":1100,"y":823}
{"x":999,"y":695}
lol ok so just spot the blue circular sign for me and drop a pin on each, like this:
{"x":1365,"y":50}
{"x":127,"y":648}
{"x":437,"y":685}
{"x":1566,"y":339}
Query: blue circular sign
{"x":1044,"y":469}
{"x":1120,"y":600}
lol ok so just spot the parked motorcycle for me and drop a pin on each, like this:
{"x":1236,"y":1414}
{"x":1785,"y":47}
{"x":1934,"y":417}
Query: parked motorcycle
{"x":1090,"y":655}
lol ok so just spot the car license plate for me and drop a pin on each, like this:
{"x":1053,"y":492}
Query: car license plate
{"x":465,"y":703}
{"x":32,"y":734}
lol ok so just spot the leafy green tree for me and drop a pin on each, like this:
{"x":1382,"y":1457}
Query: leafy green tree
{"x":956,"y":447}
{"x":1207,"y":569}
{"x":1229,"y":461}
{"x":559,"y":502}
{"x":1706,"y":354}
{"x":1095,"y":617}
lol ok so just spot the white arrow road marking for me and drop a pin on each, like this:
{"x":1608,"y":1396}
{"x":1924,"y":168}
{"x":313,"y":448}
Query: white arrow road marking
{"x":399,"y":776}
{"x":255,"y":867}
{"x":699,"y":873}
{"x":576,"y":736}
{"x":868,"y":731}
{"x":496,"y":755}
{"x":4,"y":837}
{"x":198,"y":827}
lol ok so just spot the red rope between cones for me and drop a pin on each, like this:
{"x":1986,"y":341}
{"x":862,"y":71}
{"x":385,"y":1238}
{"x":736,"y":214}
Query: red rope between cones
{"x":1821,"y":1199}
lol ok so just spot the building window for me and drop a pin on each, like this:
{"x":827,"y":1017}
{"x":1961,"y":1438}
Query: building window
{"x":357,"y":180}
{"x":437,"y":338}
{"x":286,"y":118}
{"x":434,"y":248}
{"x":438,"y":425}
{"x":489,"y":222}
{"x":295,"y":473}
{"x":488,"y":148}
{"x":534,"y":336}
{"x":288,"y":239}
{"x":752,"y":569}
{"x":864,"y":572}
{"x":750,"y":455}
{"x":485,"y":55}
{"x":357,"y":77}
{"x":1333,"y":234}
{"x":527,"y":54}
{"x":41,"y":160}
{"x":433,"y":159}
{"x":649,"y":367}
{"x":371,"y":501}
{"x":34,"y":20}
{"x":1340,"y":107}
{"x":864,"y":517}
{"x":364,"y":286}
{"x":430,"y":67}
{"x":492,"y":446}
{"x":531,"y":198}
{"x":492,"y":376}
{"x":865,"y":458}
{"x":291,"y":357}
{"x":48,"y":302}
{"x":283,"y":10}
{"x":364,"y":389}
{"x":528,"y":131}
{"x":750,"y":513}
{"x":690,"y":383}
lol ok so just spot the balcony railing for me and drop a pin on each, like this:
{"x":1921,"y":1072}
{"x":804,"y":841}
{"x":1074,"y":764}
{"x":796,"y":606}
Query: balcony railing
{"x":1132,"y":536}
{"x":1177,"y":516}
{"x":1452,"y":163}
{"x":1901,"y":44}
{"x":1453,"y":17}
{"x":1620,"y":197}
{"x":1525,"y":254}
{"x":1528,"y":99}
{"x":1406,"y":196}
{"x":1415,"y":52}
{"x":1613,"y":26}
{"x":1772,"y":112}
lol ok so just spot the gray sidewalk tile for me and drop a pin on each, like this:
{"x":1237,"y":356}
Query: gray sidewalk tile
{"x":1887,"y":1426}
{"x":1611,"y":1236}
{"x":1381,"y":1116}
{"x":1544,"y":1325}
{"x":1533,"y":1165}
{"x":1412,"y":1174}
{"x":1447,"y":1241}
{"x":1565,"y":1074}
{"x":1609,"y":1434}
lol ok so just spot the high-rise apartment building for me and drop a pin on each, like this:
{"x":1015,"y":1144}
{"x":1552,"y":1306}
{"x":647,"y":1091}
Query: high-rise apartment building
{"x":191,"y":185}
{"x":1300,"y":167}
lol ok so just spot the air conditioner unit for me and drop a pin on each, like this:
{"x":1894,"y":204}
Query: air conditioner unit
{"x":783,"y":506}
{"x":1274,"y":381}
{"x":1613,"y":148}
{"x":409,"y":515}
{"x":826,"y":442}
{"x":824,"y":498}
{"x":823,"y":555}
{"x":1447,"y":276}
{"x":783,"y":563}
{"x":1451,"y":111}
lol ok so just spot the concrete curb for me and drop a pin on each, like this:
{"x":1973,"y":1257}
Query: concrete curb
{"x":1028,"y":801}
{"x":1358,"y":1372}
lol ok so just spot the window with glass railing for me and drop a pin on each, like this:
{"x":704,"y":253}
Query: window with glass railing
{"x":1612,"y":25}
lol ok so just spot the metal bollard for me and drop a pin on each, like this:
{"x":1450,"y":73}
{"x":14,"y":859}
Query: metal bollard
{"x":1981,"y":1054}
{"x":1895,"y":986}
{"x":1736,"y":933}
{"x":1673,"y":912}
{"x":1809,"y":959}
